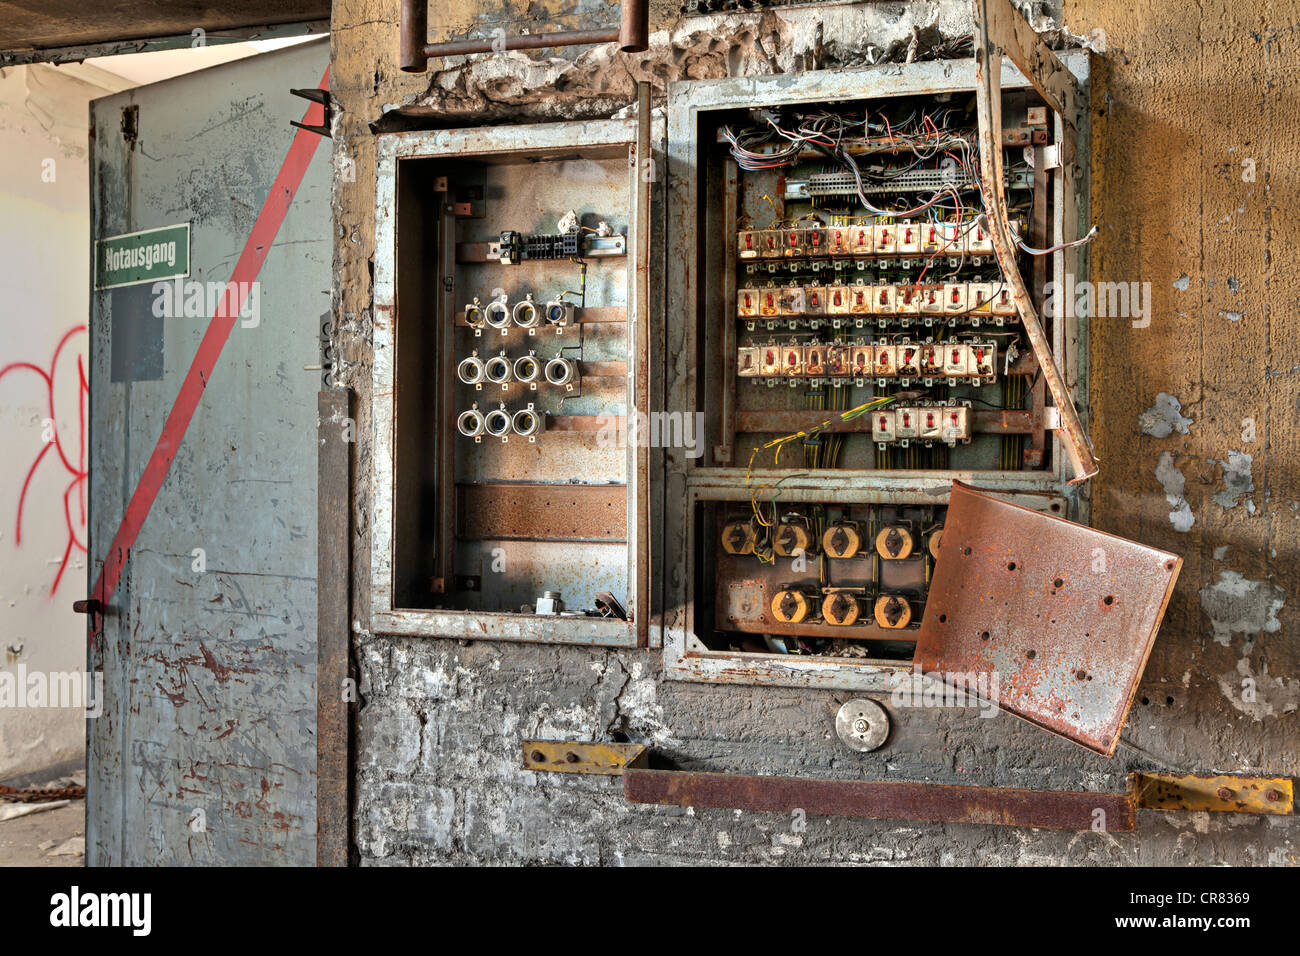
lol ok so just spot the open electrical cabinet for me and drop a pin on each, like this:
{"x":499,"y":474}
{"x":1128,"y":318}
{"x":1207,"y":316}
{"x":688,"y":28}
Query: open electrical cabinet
{"x":863,"y":275}
{"x":509,"y":502}
{"x":856,"y":266}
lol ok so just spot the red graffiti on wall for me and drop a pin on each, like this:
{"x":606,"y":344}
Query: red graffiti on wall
{"x":55,"y":439}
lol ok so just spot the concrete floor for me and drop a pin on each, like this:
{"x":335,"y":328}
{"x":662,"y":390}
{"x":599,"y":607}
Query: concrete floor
{"x":47,"y":838}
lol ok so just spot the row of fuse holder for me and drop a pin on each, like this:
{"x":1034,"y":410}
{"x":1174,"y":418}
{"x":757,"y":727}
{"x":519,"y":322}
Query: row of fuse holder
{"x":948,"y":298}
{"x":885,"y":240}
{"x":975,"y":362}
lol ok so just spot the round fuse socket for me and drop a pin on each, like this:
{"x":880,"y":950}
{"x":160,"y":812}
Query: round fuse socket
{"x":497,"y":314}
{"x":841,"y":609}
{"x":561,"y":371}
{"x":842,"y":540}
{"x":498,"y":369}
{"x":526,"y":368}
{"x":527,"y":422}
{"x":892,"y":612}
{"x":526,"y":314}
{"x":470,"y":370}
{"x":559,"y":313}
{"x":791,"y":539}
{"x":474,"y":316}
{"x":895,"y":543}
{"x":497,"y":422}
{"x":934,"y":542}
{"x":470,"y":423}
{"x":790,"y":606}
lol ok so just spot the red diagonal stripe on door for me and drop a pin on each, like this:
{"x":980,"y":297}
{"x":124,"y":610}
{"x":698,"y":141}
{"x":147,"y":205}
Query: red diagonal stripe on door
{"x":255,"y":251}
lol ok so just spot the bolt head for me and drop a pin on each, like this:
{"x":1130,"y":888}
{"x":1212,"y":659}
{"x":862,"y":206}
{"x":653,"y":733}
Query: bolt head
{"x":1274,"y":796}
{"x":538,"y":756}
{"x":1224,"y":793}
{"x":571,"y":757}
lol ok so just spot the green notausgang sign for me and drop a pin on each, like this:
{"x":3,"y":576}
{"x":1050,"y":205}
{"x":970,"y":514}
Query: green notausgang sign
{"x":147,"y":256}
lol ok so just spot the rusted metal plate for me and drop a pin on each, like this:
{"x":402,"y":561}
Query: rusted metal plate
{"x":571,"y":756}
{"x":1230,"y":794}
{"x":885,"y":800}
{"x":542,"y":512}
{"x":1059,"y":616}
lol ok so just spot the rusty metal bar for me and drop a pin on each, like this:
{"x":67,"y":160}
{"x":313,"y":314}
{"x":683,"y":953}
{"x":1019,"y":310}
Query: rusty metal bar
{"x":885,"y":800}
{"x":632,"y":36}
{"x":638,"y":344}
{"x":725,"y":452}
{"x":333,"y":725}
{"x":445,"y":336}
{"x":988,"y":72}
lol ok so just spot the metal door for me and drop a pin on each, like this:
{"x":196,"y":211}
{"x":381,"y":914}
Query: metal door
{"x":203,"y":467}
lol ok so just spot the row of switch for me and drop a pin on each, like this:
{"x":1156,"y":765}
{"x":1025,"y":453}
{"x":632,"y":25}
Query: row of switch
{"x":843,"y":539}
{"x":977,"y":361}
{"x":796,"y":604}
{"x":948,"y":423}
{"x":892,"y":239}
{"x":950,"y":298}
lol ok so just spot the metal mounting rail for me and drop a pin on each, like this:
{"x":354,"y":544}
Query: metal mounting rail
{"x":906,"y":800}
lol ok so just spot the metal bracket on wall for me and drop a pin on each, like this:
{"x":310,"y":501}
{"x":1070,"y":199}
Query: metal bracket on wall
{"x":571,"y":756}
{"x":323,"y":98}
{"x":1001,"y":29}
{"x":906,"y":800}
{"x":1222,"y":794}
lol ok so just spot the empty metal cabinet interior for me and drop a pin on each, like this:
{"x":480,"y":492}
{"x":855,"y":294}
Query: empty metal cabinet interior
{"x":504,"y":377}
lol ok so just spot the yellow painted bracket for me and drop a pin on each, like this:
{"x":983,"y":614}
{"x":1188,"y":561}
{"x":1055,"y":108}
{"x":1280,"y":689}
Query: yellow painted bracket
{"x":569,"y":756}
{"x":1189,"y":791}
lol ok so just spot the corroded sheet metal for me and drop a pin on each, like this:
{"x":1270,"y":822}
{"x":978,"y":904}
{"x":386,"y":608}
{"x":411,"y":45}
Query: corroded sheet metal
{"x":1059,"y":616}
{"x":571,"y":756}
{"x":1227,"y":794}
{"x":885,"y":800}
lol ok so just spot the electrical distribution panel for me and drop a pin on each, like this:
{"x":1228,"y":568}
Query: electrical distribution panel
{"x":509,"y":489}
{"x":856,"y":348}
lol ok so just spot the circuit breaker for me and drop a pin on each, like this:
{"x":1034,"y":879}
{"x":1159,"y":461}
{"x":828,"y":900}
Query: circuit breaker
{"x":509,"y":321}
{"x":855,"y":345}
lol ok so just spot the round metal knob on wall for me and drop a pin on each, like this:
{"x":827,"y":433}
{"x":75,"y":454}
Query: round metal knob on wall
{"x":862,"y":724}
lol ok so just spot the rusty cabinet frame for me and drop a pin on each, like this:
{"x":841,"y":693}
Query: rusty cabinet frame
{"x":558,"y":140}
{"x":685,"y":655}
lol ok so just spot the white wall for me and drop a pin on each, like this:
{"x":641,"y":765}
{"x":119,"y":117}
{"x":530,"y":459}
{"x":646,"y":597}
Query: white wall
{"x":44,"y":236}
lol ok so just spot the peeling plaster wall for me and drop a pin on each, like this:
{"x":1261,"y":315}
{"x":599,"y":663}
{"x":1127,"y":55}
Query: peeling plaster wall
{"x":440,"y":722}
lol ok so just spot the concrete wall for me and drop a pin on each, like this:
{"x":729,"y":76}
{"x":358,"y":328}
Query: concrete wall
{"x":44,"y":278}
{"x":439,"y":726}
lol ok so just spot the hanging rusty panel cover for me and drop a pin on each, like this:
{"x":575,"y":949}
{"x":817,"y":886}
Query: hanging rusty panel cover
{"x":1055,"y":620}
